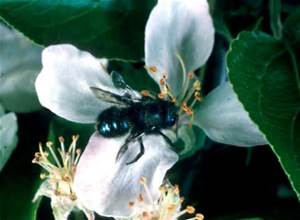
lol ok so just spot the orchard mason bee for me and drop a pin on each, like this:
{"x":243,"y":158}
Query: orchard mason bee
{"x":138,"y":116}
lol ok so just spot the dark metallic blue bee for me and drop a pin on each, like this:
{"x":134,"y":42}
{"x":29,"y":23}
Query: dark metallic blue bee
{"x":139,"y":116}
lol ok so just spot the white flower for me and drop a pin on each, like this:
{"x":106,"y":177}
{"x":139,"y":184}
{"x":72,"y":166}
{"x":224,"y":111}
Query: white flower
{"x":58,"y":181}
{"x":8,"y":135}
{"x":179,"y":38}
{"x":20,"y":64}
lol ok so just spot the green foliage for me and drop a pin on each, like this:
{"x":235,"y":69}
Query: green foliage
{"x":110,"y":28}
{"x":264,"y":77}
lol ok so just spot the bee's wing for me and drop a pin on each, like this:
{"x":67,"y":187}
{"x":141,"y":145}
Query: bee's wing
{"x":120,"y":83}
{"x":125,"y":100}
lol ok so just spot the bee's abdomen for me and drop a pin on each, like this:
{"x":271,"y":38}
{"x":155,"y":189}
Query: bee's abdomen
{"x":113,"y":122}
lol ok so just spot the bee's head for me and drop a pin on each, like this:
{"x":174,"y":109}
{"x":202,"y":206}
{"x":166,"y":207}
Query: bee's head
{"x":171,"y":114}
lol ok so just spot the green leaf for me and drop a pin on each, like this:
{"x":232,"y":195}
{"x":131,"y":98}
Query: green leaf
{"x":265,"y":79}
{"x":110,"y":28}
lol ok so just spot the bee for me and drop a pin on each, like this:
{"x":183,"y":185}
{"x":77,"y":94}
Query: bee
{"x":136,"y":115}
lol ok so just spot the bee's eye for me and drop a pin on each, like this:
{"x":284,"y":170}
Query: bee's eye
{"x":171,"y":119}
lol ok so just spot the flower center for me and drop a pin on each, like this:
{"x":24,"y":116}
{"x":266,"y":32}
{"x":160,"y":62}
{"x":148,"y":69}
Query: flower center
{"x":167,"y":207}
{"x":60,"y":166}
{"x":190,"y":92}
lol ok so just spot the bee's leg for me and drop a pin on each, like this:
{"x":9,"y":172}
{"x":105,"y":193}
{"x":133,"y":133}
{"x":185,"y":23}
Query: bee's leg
{"x":167,"y":139}
{"x":132,"y":137}
{"x":142,"y":151}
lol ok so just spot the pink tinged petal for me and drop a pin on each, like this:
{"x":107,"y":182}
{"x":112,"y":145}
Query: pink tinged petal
{"x":63,"y":86}
{"x":182,"y":27}
{"x":107,"y":186}
{"x":20,"y":63}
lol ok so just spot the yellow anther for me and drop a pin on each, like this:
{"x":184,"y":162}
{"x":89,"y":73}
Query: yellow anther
{"x":141,"y":198}
{"x":161,"y":95}
{"x":43,"y":176}
{"x":145,"y":93}
{"x":190,"y":209}
{"x":173,"y":100}
{"x":143,"y":180}
{"x":199,"y":216}
{"x":152,"y":69}
{"x":198,"y":96}
{"x":197,"y":85}
{"x":75,"y":137}
{"x":162,"y":82}
{"x":78,"y":151}
{"x":145,"y":215}
{"x":131,"y":204}
{"x":172,"y":207}
{"x":186,"y":109}
{"x":49,"y":144}
{"x":181,"y":200}
{"x":73,"y":197}
{"x":61,"y":139}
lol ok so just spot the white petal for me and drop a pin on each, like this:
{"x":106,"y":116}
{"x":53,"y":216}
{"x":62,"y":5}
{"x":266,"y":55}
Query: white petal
{"x":107,"y":186}
{"x":224,"y":119}
{"x":20,"y":63}
{"x":182,"y":27}
{"x":8,"y":137}
{"x":63,"y":86}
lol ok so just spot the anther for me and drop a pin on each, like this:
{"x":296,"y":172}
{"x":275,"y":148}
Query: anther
{"x":152,"y":69}
{"x":161,"y":95}
{"x":73,"y":197}
{"x":162,"y":82}
{"x":199,"y":216}
{"x":190,"y":75}
{"x":61,"y":139}
{"x":143,"y":180}
{"x":145,"y":93}
{"x":131,"y":204}
{"x":75,"y":137}
{"x":197,"y":85}
{"x":176,"y":190}
{"x":49,"y":144}
{"x":141,"y":198}
{"x":43,"y":176}
{"x":190,"y":209}
{"x":145,"y":215}
{"x":198,"y":96}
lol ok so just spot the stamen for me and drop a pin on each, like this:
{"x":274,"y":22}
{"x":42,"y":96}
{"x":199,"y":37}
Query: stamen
{"x":60,"y":174}
{"x":49,"y":145}
{"x":143,"y":181}
{"x":187,"y":109}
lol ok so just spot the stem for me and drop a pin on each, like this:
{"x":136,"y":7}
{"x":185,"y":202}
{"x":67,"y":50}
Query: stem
{"x":275,"y":18}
